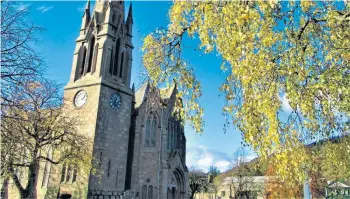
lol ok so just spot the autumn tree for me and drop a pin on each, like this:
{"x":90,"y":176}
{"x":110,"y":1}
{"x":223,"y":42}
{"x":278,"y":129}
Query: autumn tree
{"x":18,"y":57}
{"x":38,"y":130}
{"x":241,"y":178}
{"x":272,"y":52}
{"x":197,"y":181}
{"x":331,"y":169}
{"x":34,"y":127}
{"x":275,"y":187}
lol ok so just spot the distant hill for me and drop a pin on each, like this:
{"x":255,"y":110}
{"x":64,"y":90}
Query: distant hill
{"x":258,"y":167}
{"x":255,"y":167}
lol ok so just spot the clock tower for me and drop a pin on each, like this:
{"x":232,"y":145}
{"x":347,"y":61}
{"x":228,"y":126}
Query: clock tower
{"x":99,"y":93}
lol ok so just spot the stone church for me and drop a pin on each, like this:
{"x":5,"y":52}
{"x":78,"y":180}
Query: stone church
{"x":140,"y":145}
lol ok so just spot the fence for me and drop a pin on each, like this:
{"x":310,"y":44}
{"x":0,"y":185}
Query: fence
{"x":98,"y":194}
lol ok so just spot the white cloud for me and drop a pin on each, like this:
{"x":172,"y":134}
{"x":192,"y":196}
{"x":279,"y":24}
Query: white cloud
{"x":22,"y":6}
{"x":203,"y":158}
{"x":285,"y":104}
{"x":44,"y":9}
{"x":223,"y":165}
{"x":205,"y":161}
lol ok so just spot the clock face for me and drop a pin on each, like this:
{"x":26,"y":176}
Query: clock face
{"x":80,"y":99}
{"x":115,"y":101}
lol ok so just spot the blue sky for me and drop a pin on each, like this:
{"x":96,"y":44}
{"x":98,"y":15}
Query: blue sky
{"x":62,"y":21}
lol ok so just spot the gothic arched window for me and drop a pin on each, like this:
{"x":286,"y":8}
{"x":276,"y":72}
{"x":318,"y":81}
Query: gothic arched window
{"x":63,"y":173}
{"x":144,"y":192}
{"x":69,"y":173}
{"x":177,"y":137}
{"x":173,"y":136}
{"x":94,"y":59}
{"x":91,"y":53}
{"x":109,"y":168}
{"x":148,"y":133}
{"x":111,"y":63}
{"x":121,"y":65}
{"x":101,"y":159}
{"x":116,"y":57}
{"x":75,"y":173}
{"x":153,"y":132}
{"x":151,"y":127}
{"x":150,"y":192}
{"x":82,"y":63}
{"x":169,"y":137}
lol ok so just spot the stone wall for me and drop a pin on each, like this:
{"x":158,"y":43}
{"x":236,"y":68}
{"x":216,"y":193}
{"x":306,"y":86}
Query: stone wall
{"x":111,"y":141}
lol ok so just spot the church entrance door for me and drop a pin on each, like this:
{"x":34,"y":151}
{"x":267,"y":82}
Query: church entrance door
{"x":177,"y":190}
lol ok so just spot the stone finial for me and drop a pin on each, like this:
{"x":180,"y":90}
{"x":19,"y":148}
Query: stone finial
{"x":129,"y":18}
{"x":133,"y":87}
{"x":129,"y":22}
{"x":86,"y":16}
{"x":174,"y":80}
{"x":87,"y":7}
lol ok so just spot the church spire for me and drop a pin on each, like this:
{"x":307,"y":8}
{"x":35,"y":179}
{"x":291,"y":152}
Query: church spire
{"x":87,"y":6}
{"x":105,"y":26}
{"x":129,"y":21}
{"x":86,"y":15}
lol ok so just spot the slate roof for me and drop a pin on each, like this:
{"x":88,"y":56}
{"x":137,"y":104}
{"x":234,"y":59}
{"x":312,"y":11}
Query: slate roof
{"x":142,"y":92}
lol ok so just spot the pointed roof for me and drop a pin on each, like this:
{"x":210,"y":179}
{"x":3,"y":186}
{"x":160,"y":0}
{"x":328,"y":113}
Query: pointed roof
{"x":338,"y":184}
{"x":87,"y":9}
{"x":129,"y":18}
{"x":133,"y":87}
{"x":167,"y":92}
{"x":140,"y":94}
{"x":86,"y":15}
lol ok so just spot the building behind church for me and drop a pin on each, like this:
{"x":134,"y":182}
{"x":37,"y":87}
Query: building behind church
{"x":139,"y":144}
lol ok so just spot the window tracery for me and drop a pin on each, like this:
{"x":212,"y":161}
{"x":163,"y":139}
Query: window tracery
{"x":151,"y":128}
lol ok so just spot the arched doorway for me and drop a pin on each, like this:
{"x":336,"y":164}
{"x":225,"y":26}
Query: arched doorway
{"x":176,"y":186}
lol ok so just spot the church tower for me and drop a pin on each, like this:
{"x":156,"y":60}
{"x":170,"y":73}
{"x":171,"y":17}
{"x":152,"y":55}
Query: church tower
{"x":103,"y":48}
{"x":99,"y":93}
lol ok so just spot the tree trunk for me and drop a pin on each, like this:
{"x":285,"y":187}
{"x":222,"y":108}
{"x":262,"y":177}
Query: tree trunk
{"x":33,"y":170}
{"x":4,"y":188}
{"x":30,"y":190}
